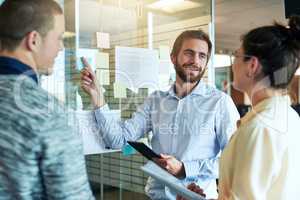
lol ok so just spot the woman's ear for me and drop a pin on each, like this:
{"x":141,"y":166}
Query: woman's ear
{"x":254,"y":67}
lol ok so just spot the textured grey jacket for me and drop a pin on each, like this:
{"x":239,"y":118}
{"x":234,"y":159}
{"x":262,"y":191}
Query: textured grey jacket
{"x":41,"y":156}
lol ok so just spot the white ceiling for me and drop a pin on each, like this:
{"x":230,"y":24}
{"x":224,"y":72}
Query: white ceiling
{"x":109,"y":16}
{"x":232,"y":17}
{"x":235,"y":17}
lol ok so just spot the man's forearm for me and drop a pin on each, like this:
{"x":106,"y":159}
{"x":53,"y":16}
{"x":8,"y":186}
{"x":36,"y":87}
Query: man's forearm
{"x":207,"y":167}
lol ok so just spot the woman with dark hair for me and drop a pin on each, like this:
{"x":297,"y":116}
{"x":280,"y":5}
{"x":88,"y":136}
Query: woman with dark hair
{"x":262,"y":159}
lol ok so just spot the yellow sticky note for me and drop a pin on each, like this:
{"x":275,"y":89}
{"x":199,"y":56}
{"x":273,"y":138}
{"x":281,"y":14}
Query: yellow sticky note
{"x":102,"y":76}
{"x":102,"y":60}
{"x":164,"y":52}
{"x":119,"y":91}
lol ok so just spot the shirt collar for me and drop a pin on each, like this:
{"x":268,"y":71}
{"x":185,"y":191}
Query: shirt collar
{"x":276,"y":102}
{"x":198,"y":90}
{"x":12,"y":66}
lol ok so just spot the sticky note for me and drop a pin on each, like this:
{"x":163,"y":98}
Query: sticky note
{"x":102,"y":76}
{"x":164,"y":52}
{"x":89,"y":55}
{"x":80,"y":65}
{"x":119,"y":91}
{"x":165,"y":67}
{"x":102,"y":40}
{"x":102,"y":60}
{"x":128,"y":150}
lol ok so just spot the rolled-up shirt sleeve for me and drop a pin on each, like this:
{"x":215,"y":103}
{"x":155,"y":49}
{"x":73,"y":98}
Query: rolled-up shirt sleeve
{"x":116,"y":133}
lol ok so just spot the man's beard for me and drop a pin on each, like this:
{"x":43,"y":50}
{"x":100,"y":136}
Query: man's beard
{"x":187,"y":78}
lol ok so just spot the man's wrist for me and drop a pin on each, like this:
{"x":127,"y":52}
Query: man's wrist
{"x":97,"y":99}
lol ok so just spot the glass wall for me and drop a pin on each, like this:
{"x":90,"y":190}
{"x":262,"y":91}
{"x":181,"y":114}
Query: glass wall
{"x":127,"y":43}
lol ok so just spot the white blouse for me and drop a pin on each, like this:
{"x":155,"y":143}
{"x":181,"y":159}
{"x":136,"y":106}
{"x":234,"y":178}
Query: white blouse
{"x":262,"y":160}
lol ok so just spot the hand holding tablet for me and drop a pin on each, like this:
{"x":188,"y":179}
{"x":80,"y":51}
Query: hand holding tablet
{"x":144,"y":150}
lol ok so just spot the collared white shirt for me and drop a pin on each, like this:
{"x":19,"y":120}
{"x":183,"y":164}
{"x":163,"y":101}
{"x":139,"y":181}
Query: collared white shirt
{"x":261,"y":161}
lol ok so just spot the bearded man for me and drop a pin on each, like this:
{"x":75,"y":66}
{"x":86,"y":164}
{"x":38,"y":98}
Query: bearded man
{"x":191,"y":123}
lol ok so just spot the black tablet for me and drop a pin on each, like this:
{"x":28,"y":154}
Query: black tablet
{"x":144,"y":150}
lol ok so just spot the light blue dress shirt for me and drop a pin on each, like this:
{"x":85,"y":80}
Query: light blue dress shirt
{"x":194,"y":129}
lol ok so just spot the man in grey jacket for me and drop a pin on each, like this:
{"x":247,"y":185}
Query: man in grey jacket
{"x":41,"y":157}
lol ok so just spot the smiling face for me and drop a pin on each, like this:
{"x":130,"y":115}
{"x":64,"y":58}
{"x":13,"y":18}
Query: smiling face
{"x":191,"y":61}
{"x":49,"y":46}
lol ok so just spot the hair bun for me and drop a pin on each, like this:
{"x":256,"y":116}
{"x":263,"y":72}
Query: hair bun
{"x":294,"y":24}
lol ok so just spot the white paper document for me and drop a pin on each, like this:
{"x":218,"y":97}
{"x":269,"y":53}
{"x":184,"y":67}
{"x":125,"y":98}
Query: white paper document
{"x":170,"y":181}
{"x":137,"y":67}
{"x":92,"y":140}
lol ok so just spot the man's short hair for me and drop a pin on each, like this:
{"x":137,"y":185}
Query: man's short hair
{"x":191,"y":34}
{"x":20,"y":17}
